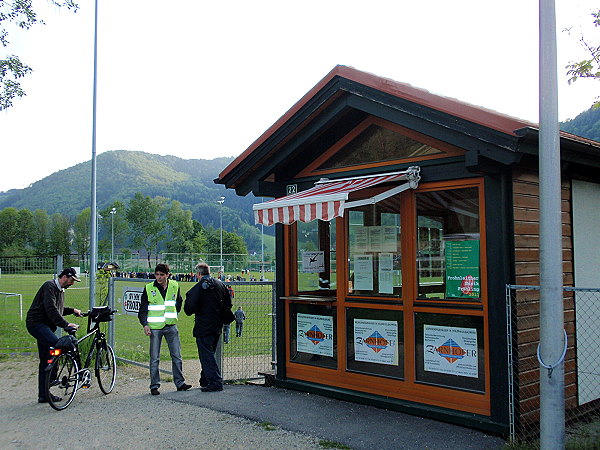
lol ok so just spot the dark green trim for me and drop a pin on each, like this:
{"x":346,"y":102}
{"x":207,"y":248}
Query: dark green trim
{"x":418,"y":409}
{"x":280,"y":304}
{"x":500,"y":270}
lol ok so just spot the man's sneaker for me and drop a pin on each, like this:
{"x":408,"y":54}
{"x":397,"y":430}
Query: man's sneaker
{"x":55,"y":399}
{"x":211,"y":389}
{"x":184,"y":387}
{"x":154,"y":391}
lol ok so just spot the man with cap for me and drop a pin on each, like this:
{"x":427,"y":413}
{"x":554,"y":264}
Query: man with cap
{"x":45,"y":315}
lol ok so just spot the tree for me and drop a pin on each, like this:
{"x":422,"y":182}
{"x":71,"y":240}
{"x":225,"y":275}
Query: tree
{"x":181,"y":228}
{"x":41,"y":230}
{"x":81,"y":232}
{"x":587,"y":68}
{"x":21,"y":14}
{"x":9,"y":229}
{"x":143,"y":214}
{"x":26,"y":228}
{"x":60,"y":242}
{"x":114,"y":226}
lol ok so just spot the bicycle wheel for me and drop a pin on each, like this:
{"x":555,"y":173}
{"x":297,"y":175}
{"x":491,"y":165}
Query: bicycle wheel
{"x":62,"y":381}
{"x":106,"y":368}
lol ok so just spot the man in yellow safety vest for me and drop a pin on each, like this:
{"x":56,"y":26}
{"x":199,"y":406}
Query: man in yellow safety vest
{"x":159,"y":305}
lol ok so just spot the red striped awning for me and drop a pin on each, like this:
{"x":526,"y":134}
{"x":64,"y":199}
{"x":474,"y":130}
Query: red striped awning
{"x":327,"y":200}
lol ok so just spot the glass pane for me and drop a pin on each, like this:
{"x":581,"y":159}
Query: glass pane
{"x":375,"y":342}
{"x":313,"y":338}
{"x":316,"y":256}
{"x":449,"y":351}
{"x":378,"y":144}
{"x":448,"y":244}
{"x":374,"y":239}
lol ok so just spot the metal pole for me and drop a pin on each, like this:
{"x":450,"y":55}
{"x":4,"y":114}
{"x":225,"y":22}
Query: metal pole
{"x":552,"y":401}
{"x":112,"y":234}
{"x":94,"y":239}
{"x":220,"y":202}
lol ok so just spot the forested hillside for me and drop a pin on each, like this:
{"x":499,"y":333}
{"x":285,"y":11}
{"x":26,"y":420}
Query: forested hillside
{"x":121,"y":173}
{"x":586,"y":124}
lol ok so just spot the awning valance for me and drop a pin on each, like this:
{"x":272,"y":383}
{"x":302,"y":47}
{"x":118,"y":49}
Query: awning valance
{"x":327,"y":200}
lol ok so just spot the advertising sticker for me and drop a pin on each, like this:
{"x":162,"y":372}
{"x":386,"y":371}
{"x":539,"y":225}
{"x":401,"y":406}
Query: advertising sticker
{"x":314,"y":334}
{"x":450,"y":350}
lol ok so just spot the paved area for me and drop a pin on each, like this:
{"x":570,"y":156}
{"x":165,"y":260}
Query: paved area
{"x":357,"y":426}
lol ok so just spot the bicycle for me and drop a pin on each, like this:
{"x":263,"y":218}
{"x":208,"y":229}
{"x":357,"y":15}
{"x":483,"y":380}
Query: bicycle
{"x":66,"y":374}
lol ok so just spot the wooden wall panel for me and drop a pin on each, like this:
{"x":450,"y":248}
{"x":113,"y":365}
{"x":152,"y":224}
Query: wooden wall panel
{"x":526,"y":213}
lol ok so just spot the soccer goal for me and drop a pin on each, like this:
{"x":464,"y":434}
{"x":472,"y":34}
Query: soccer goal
{"x":13,"y":294}
{"x":214,"y":270}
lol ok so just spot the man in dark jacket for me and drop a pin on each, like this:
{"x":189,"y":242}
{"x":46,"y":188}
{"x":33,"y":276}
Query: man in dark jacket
{"x":45,"y":315}
{"x":206,"y":300}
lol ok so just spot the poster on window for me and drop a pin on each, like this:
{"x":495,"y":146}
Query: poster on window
{"x":386,"y":273}
{"x":389,"y":239}
{"x":375,"y":239}
{"x":363,"y":272}
{"x":359,"y":238}
{"x":450,"y":350}
{"x":313,"y":262}
{"x":462,"y":269}
{"x":376,"y":341}
{"x":314,"y":334}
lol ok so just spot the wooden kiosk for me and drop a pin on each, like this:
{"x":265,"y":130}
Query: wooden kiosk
{"x":400,"y":218}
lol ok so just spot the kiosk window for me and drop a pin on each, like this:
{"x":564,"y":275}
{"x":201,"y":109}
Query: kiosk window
{"x":313,"y":336}
{"x":449,"y":351}
{"x":316,"y":256}
{"x":375,"y":342}
{"x":374,"y":249}
{"x":448,"y":259}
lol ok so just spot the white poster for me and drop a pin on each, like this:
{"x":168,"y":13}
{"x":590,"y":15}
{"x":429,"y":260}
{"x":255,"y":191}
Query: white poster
{"x":361,"y":239}
{"x":389,"y":236}
{"x":363,"y":272}
{"x":313,"y":262}
{"x":450,"y":350}
{"x":386,"y":273}
{"x":314,"y":334}
{"x":376,"y":341}
{"x":132,"y":296}
{"x":375,"y":239}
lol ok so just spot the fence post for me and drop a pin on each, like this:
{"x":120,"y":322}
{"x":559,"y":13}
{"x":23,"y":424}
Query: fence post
{"x":111,"y":304}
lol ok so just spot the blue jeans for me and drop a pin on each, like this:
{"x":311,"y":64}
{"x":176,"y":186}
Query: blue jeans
{"x":171,"y":335}
{"x":210,"y":375}
{"x":239,"y":327}
{"x":45,"y":339}
{"x":226,"y":333}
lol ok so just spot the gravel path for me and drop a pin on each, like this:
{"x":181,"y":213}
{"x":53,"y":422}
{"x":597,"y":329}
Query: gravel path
{"x":127,"y":418}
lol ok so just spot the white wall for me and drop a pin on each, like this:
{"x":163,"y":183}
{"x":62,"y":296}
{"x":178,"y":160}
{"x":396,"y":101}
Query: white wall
{"x":586,"y":253}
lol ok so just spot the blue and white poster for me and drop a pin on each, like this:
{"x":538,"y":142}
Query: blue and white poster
{"x":376,"y":341}
{"x":450,"y":350}
{"x":314,"y":334}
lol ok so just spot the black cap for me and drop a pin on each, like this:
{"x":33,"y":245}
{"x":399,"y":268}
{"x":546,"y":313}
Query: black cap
{"x":69,"y":272}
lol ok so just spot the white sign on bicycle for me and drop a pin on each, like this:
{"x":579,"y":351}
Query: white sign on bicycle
{"x":131,"y":299}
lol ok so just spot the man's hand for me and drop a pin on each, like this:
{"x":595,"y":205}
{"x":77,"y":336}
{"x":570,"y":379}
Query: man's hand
{"x":73,"y":325}
{"x":77,"y":312}
{"x":147,"y":330}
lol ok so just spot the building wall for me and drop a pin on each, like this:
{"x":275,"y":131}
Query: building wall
{"x":527,"y":310}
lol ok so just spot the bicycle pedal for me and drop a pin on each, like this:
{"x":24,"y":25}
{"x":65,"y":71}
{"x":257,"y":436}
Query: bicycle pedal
{"x":85,"y":386}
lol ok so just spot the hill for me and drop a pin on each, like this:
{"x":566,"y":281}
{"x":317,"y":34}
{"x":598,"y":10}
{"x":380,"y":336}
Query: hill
{"x":122,"y":173}
{"x":586,"y":124}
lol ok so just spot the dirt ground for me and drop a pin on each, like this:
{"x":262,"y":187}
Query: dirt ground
{"x":127,"y":418}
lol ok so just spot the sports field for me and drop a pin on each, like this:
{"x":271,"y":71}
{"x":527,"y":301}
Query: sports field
{"x":130,"y":341}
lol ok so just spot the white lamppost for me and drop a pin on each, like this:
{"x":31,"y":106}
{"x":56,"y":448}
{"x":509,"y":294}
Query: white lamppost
{"x":112,"y":234}
{"x":220,"y":202}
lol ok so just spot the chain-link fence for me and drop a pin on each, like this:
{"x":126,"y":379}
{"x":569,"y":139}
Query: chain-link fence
{"x":581,"y":359}
{"x":244,"y":356}
{"x":20,"y":279}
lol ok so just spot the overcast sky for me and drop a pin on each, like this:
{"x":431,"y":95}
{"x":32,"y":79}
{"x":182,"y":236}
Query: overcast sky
{"x":200,"y":79}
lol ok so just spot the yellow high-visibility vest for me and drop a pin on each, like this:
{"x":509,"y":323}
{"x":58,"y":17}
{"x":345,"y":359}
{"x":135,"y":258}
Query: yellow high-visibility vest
{"x":161,"y":311}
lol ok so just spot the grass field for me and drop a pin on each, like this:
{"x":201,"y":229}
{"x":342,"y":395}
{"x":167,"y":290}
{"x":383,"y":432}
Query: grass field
{"x":130,"y":341}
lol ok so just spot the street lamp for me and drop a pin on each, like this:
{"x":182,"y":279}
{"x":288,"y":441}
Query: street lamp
{"x":112,"y":234}
{"x":220,"y":202}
